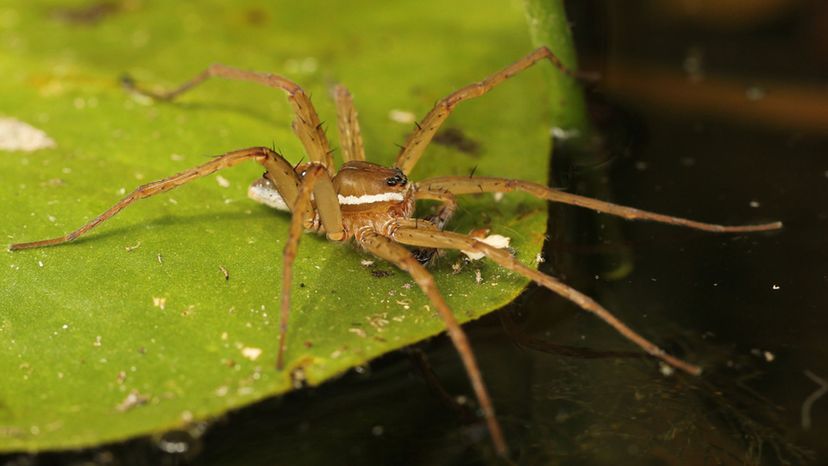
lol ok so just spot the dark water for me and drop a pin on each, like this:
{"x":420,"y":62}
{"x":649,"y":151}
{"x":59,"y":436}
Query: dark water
{"x":751,"y":309}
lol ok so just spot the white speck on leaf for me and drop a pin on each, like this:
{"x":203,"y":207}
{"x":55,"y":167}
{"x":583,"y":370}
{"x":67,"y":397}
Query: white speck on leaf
{"x":160,"y":303}
{"x":16,"y":135}
{"x":498,"y":241}
{"x":251,"y":353}
{"x":306,"y":65}
{"x":133,"y":399}
{"x":564,"y":134}
{"x":222,"y":181}
{"x":405,"y":303}
{"x":402,"y":116}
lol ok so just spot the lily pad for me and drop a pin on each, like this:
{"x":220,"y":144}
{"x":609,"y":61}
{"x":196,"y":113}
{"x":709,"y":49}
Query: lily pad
{"x":166,"y":314}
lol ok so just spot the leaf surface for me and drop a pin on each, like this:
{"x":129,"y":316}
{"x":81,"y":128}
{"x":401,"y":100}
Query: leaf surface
{"x":134,"y":329}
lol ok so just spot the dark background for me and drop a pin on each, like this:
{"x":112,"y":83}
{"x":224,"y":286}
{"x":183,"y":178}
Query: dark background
{"x":716,"y":113}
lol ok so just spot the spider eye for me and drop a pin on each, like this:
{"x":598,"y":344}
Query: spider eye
{"x":399,"y":178}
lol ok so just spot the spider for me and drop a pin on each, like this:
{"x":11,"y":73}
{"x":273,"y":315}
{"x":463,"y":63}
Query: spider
{"x":374,"y":205}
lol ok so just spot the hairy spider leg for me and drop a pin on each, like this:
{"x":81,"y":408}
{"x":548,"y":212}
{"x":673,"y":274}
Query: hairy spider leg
{"x":271,"y":160}
{"x":451,"y":240}
{"x":317,"y":182}
{"x":306,"y":125}
{"x":459,"y":185}
{"x":385,"y":248}
{"x":417,"y":142}
{"x":347,"y":120}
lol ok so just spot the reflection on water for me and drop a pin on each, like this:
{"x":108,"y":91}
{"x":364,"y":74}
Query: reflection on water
{"x":695,"y":135}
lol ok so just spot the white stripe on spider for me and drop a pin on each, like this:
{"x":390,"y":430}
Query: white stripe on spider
{"x":370,"y":198}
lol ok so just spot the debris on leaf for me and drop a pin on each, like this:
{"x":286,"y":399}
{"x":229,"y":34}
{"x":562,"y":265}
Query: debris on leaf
{"x":16,"y":135}
{"x":498,"y":241}
{"x":251,"y":353}
{"x":402,"y":116}
{"x":132,"y":400}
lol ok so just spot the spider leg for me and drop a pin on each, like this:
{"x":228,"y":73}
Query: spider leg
{"x":439,"y":219}
{"x":450,"y":240}
{"x":275,"y":164}
{"x":447,"y":208}
{"x":426,"y":129}
{"x":464,"y":185}
{"x":387,"y":249}
{"x":317,"y":182}
{"x":306,"y":125}
{"x":350,"y":136}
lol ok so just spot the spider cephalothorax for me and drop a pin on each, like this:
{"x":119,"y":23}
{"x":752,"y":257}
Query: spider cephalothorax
{"x":374,"y":205}
{"x":371,"y":197}
{"x":367,"y":188}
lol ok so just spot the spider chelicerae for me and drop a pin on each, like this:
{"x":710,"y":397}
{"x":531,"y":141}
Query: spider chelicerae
{"x":374,"y":205}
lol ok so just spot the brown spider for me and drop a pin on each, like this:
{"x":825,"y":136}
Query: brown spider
{"x":374,"y":205}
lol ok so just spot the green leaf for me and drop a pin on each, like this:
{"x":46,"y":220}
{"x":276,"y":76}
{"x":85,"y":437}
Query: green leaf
{"x":134,"y":329}
{"x":548,"y":26}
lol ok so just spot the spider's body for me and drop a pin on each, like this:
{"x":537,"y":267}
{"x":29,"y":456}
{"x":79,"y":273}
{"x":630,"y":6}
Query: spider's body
{"x":374,"y":205}
{"x":372,"y":198}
